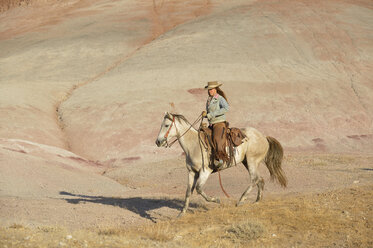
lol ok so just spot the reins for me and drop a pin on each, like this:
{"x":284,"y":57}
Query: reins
{"x":221,"y":186}
{"x":177,"y":138}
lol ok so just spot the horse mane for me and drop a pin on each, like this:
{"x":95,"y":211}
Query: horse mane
{"x":179,"y":117}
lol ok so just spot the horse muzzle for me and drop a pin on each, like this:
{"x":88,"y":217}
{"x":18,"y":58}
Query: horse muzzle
{"x":160,"y":143}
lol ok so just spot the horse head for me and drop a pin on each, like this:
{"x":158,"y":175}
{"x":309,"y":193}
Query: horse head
{"x":168,"y":130}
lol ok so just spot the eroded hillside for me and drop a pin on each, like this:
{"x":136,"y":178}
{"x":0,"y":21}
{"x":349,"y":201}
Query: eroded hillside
{"x":84,"y":86}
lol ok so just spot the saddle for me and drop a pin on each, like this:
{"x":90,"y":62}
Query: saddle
{"x":234,"y":138}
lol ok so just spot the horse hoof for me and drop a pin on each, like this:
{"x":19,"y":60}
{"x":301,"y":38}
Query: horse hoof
{"x":217,"y":200}
{"x":240,"y":203}
{"x":181,"y":214}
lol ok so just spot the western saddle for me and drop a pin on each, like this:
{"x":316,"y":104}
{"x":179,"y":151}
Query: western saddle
{"x":234,"y":138}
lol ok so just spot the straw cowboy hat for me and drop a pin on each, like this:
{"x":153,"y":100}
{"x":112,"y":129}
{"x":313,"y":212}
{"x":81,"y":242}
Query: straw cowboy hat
{"x":213,"y":84}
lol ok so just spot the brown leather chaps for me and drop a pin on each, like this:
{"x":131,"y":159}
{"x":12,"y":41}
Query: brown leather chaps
{"x":219,"y":139}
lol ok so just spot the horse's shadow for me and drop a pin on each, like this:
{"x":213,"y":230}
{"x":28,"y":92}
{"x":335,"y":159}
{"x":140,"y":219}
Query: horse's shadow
{"x":137,"y":205}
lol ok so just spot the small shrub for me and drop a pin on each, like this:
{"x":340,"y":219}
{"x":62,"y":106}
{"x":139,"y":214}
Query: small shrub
{"x":111,"y":232}
{"x":244,"y":231}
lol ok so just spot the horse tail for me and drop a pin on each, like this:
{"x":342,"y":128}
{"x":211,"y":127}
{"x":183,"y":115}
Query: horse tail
{"x":273,"y":161}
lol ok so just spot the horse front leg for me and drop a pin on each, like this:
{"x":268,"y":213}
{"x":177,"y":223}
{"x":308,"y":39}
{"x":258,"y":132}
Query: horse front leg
{"x":192,"y":179}
{"x":203,"y":176}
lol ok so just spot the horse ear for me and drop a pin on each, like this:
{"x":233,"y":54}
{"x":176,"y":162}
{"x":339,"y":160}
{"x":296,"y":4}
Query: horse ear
{"x":169,"y":115}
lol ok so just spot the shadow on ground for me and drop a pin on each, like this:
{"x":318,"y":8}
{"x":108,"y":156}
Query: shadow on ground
{"x":137,"y":205}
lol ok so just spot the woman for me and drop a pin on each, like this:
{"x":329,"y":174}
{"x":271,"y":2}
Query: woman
{"x":216,"y":107}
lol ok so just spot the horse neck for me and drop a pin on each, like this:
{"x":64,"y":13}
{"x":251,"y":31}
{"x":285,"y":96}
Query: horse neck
{"x":188,"y":139}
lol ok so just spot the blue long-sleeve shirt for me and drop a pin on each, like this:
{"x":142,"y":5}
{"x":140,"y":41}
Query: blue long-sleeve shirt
{"x":216,"y":107}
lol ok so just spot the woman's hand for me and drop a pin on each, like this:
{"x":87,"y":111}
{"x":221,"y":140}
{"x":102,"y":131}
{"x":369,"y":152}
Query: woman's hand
{"x":206,"y":115}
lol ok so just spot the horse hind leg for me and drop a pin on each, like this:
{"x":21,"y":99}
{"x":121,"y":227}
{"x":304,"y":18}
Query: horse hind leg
{"x":252,"y":166}
{"x":260,"y":185}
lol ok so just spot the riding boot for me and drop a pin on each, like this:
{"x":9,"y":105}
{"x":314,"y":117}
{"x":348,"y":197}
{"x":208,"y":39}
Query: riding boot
{"x":218,"y":163}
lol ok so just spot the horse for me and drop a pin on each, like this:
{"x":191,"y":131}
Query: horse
{"x":254,"y":149}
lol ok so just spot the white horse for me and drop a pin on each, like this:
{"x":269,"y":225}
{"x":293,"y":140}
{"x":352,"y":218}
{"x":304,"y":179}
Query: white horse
{"x":255,"y":148}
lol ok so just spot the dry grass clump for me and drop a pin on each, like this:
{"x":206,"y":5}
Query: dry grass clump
{"x":244,"y":231}
{"x":16,"y":226}
{"x":111,"y":231}
{"x":49,"y":229}
{"x":161,"y":232}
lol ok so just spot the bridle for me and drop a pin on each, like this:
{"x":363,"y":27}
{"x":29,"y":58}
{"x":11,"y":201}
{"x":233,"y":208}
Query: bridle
{"x":177,"y":132}
{"x":168,"y":131}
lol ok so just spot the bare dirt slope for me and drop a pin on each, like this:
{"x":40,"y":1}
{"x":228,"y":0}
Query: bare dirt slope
{"x":108,"y":73}
{"x":83,"y":88}
{"x":302,"y":75}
